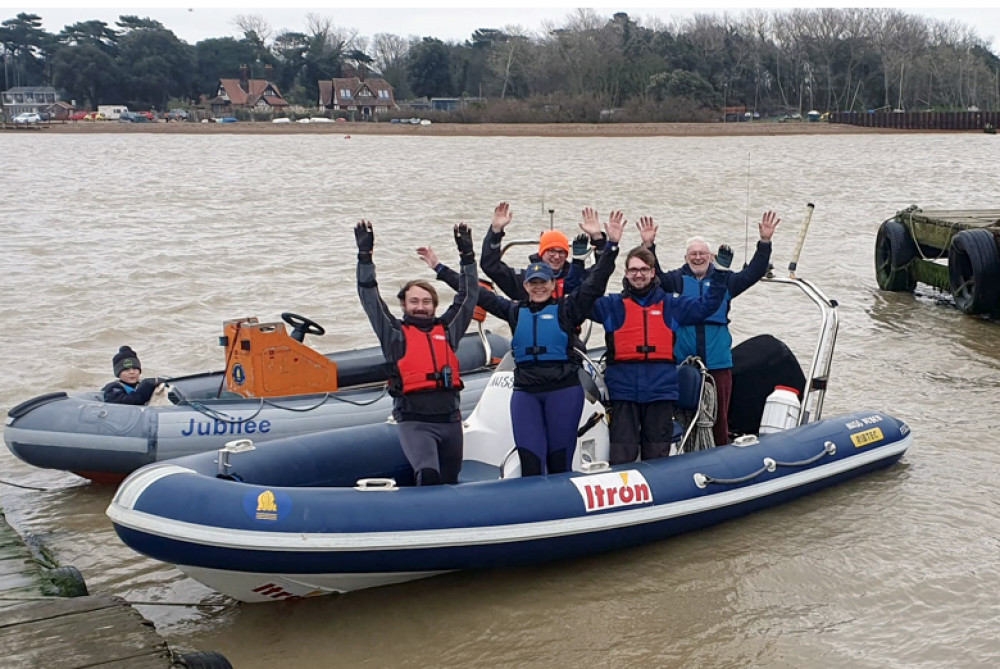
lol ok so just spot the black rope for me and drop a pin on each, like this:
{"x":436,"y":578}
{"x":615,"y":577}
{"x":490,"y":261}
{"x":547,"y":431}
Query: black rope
{"x":774,"y":464}
{"x":30,"y":487}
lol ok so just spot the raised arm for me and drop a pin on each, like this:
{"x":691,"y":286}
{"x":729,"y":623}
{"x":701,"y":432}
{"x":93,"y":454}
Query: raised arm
{"x":755,"y":271}
{"x":506,"y":279}
{"x":386,"y":326}
{"x":458,"y":316}
{"x":578,"y":306}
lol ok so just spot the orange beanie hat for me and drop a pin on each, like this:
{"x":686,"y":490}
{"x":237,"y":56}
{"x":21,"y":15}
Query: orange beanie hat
{"x":552,"y":239}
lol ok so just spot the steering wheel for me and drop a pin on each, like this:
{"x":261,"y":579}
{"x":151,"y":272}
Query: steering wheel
{"x":301,"y":326}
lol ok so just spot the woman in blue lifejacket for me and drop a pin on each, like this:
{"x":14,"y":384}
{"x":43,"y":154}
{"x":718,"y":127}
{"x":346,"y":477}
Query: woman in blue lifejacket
{"x":547,"y":401}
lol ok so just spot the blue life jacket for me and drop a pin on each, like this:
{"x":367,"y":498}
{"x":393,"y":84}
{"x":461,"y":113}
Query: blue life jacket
{"x":711,"y":340}
{"x":539,"y":337}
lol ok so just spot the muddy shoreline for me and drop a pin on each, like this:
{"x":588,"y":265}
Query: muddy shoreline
{"x":473,"y":130}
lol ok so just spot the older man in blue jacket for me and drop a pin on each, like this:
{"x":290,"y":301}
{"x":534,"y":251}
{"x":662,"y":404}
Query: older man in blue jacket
{"x":711,"y":340}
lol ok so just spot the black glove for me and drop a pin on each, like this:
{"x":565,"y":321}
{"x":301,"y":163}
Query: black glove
{"x":581,"y":245}
{"x":365,"y":238}
{"x":724,"y":258}
{"x":463,"y":239}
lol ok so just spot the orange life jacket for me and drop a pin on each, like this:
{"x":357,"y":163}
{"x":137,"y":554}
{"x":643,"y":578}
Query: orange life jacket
{"x":429,"y":362}
{"x":643,"y":337}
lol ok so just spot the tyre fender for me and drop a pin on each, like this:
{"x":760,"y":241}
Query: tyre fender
{"x":202,"y":660}
{"x":974,"y":271}
{"x":894,"y":250}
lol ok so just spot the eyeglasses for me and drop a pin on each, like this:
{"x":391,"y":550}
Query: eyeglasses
{"x":699,"y":254}
{"x":556,"y":252}
{"x":636,"y":271}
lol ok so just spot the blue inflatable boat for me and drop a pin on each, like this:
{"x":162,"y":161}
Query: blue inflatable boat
{"x":318,"y":514}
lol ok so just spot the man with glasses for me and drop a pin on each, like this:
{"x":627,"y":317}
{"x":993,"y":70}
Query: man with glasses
{"x":641,"y":373}
{"x":711,"y":340}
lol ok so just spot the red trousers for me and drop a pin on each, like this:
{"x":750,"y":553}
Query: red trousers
{"x":723,"y":389}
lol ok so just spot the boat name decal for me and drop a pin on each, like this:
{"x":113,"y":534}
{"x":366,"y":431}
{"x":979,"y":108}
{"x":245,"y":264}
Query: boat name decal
{"x":267,"y":506}
{"x":861,"y":422}
{"x":867,"y":437}
{"x":613,"y":489}
{"x":502,"y":380}
{"x":205,"y":428}
{"x":273,"y":591}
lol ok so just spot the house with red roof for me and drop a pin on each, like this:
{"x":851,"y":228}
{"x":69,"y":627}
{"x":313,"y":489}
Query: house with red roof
{"x":367,"y":97}
{"x":247,"y":93}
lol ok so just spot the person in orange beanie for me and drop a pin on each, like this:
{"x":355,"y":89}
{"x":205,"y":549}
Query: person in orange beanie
{"x":553,"y":248}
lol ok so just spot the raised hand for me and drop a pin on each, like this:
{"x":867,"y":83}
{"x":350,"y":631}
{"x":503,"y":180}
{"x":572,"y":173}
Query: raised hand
{"x":615,"y":226}
{"x":767,"y":225}
{"x":581,"y":246}
{"x":364,"y":236}
{"x":647,"y":230}
{"x":427,"y":254}
{"x":501,"y":217}
{"x":591,"y":223}
{"x":724,"y":258}
{"x":463,"y":240}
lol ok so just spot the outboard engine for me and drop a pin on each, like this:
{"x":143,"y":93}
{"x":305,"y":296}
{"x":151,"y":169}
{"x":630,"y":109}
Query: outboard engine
{"x":759,"y":364}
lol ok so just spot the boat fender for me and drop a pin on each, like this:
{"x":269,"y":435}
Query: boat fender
{"x":376,"y":485}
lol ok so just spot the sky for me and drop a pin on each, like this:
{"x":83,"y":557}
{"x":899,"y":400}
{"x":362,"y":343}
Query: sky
{"x":195,"y":20}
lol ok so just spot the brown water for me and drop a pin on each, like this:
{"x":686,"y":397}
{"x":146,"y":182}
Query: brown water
{"x":153,"y":241}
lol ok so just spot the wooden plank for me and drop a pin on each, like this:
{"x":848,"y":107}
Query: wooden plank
{"x":54,"y":608}
{"x":85,"y":634}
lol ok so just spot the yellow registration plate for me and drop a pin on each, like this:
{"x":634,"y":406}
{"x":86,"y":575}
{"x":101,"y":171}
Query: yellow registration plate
{"x":867,"y":437}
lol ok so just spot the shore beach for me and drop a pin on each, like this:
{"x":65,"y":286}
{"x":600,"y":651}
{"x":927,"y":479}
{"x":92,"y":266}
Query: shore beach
{"x":473,"y":129}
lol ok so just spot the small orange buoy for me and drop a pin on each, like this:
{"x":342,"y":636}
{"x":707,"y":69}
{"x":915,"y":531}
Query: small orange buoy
{"x":347,"y":136}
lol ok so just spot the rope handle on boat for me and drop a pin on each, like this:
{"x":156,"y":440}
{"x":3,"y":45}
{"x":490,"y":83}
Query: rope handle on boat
{"x":770,"y":465}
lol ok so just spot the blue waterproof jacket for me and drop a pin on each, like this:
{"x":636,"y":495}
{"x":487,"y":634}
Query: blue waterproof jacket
{"x":712,"y":341}
{"x":650,"y":381}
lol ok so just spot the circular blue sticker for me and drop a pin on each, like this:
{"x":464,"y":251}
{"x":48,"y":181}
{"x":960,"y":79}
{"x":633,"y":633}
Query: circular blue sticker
{"x":239,"y":376}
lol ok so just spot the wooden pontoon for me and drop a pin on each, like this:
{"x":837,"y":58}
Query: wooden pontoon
{"x":954,"y":250}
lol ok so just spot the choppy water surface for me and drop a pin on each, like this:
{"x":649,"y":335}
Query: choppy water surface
{"x":153,"y":241}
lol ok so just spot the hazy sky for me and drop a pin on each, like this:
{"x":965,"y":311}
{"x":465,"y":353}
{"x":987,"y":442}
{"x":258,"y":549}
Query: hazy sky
{"x":195,"y":20}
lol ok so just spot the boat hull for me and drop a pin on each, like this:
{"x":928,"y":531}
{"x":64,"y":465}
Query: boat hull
{"x":305,"y":535}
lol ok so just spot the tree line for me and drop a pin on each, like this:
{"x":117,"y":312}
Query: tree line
{"x":829,"y":59}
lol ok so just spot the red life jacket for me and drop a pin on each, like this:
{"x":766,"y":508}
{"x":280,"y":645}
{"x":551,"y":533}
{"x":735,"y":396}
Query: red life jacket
{"x":558,"y":292}
{"x":643,"y":337}
{"x":429,"y":362}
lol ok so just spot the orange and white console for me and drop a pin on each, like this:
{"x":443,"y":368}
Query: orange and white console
{"x":264,"y":360}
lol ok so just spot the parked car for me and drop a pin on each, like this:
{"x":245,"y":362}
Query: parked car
{"x":179,"y":114}
{"x":148,"y":115}
{"x":78,"y":116}
{"x":226,"y":119}
{"x":27,"y":117}
{"x":94,"y":116}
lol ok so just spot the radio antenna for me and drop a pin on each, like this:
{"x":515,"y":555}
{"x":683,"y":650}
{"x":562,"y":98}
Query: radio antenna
{"x":746,"y":219}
